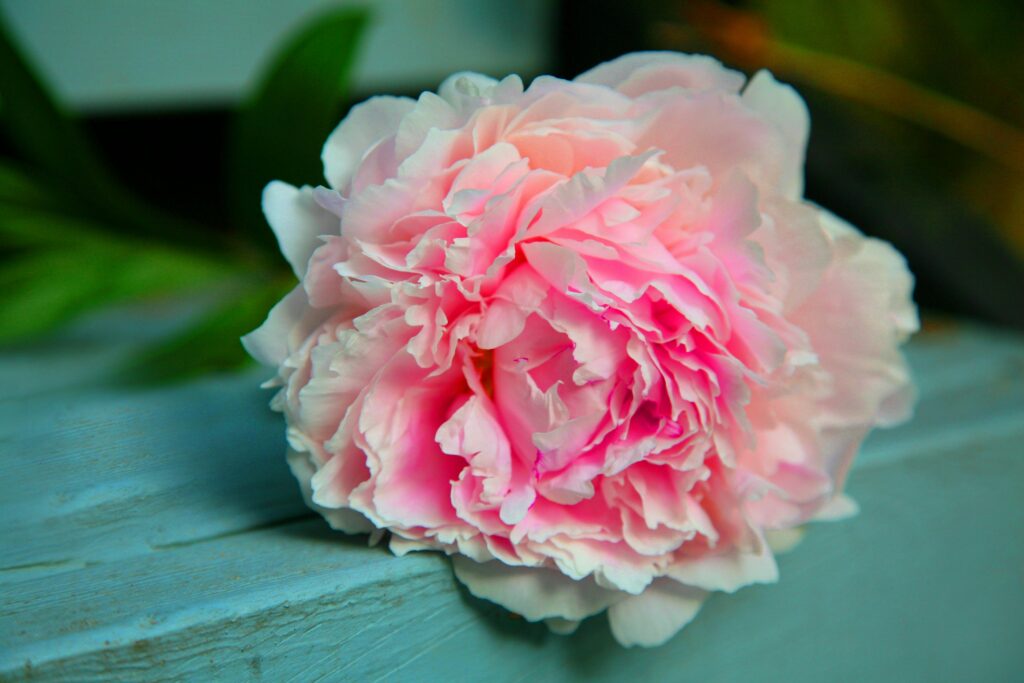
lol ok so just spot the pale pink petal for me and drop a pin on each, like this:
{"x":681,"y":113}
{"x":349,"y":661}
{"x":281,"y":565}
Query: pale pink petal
{"x":782,"y":106}
{"x":641,"y":72}
{"x":784,"y":540}
{"x":717,"y":131}
{"x":343,"y":519}
{"x":727,"y":571}
{"x":657,"y":614}
{"x":584,"y":192}
{"x":855,"y":321}
{"x":298,"y":222}
{"x":501,"y":323}
{"x":366,"y":125}
{"x":562,"y":627}
{"x":838,"y":508}
{"x":287,"y":326}
{"x":534,"y":592}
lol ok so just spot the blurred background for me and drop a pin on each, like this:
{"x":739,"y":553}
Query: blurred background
{"x":137,"y":135}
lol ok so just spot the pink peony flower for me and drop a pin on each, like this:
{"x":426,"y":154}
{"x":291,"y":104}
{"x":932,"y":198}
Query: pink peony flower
{"x":585,"y":337}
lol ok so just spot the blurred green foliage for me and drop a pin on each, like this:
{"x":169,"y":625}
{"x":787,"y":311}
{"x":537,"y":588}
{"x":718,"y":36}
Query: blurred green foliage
{"x":280,"y":129}
{"x":72,"y":238}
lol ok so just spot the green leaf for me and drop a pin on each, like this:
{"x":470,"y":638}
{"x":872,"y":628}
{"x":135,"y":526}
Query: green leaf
{"x":280,"y":131}
{"x":18,"y":188}
{"x":50,"y":139}
{"x":35,"y":226}
{"x":43,"y":290}
{"x":212,"y":342}
{"x":45,"y":286}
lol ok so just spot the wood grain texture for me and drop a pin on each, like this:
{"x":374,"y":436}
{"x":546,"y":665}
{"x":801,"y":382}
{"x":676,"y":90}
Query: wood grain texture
{"x":157,"y":535}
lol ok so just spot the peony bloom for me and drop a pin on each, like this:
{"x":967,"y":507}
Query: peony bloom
{"x":585,"y":337}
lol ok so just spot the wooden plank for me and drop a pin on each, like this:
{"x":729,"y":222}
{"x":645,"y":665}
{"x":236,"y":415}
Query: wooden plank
{"x":85,"y":353}
{"x":156,"y":534}
{"x":910,"y":586}
{"x":101,"y":475}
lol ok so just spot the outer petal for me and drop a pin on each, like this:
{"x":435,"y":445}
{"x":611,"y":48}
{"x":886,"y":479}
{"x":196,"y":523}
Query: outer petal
{"x":856,"y":320}
{"x":366,"y":125}
{"x":563,"y":627}
{"x":657,"y":614}
{"x":728,"y":571}
{"x":782,"y":106}
{"x":901,"y":309}
{"x":298,"y":222}
{"x":534,"y":592}
{"x":641,"y":72}
{"x":783,"y":540}
{"x":343,"y":519}
{"x":838,"y":508}
{"x":290,"y":322}
{"x":797,"y":250}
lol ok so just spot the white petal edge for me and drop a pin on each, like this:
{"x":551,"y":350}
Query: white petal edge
{"x":903,"y":310}
{"x":401,"y":546}
{"x":297,"y":221}
{"x":366,"y":124}
{"x":653,"y":617}
{"x":783,"y":540}
{"x":534,"y":592}
{"x":706,"y":70}
{"x":562,"y":627}
{"x":838,"y":508}
{"x":343,"y":519}
{"x":783,"y":107}
{"x":727,"y":572}
{"x":269,"y":343}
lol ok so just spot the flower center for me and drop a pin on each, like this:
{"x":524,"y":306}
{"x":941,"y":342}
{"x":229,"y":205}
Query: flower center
{"x":483,"y":361}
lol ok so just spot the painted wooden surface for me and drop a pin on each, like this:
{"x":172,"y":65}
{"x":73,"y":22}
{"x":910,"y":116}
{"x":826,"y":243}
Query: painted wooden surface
{"x":155,"y":534}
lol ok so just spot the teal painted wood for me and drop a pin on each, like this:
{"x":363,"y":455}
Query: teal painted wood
{"x":156,"y":535}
